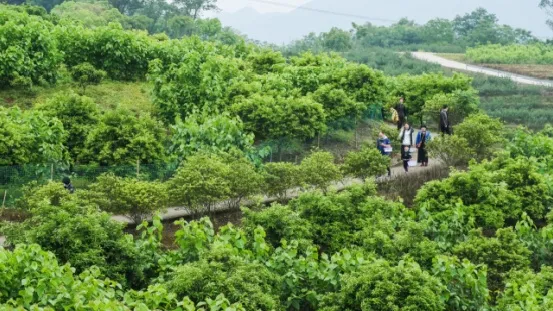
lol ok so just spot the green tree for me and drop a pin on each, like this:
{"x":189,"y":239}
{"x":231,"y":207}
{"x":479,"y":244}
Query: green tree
{"x":365,"y":163}
{"x":482,"y":133}
{"x":277,"y":118}
{"x":78,"y":114}
{"x":29,"y":54}
{"x":200,"y":183}
{"x":380,"y":285}
{"x":548,"y":6}
{"x":194,"y":8}
{"x":131,"y":197}
{"x":337,"y":104}
{"x":219,"y":133}
{"x":279,"y":178}
{"x":337,"y":40}
{"x":451,"y":150}
{"x":123,"y":138}
{"x":85,"y":74}
{"x":319,"y":171}
{"x":243,"y":178}
{"x":30,"y":137}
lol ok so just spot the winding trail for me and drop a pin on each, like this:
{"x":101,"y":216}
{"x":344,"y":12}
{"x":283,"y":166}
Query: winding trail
{"x":444,"y":62}
{"x":178,"y":212}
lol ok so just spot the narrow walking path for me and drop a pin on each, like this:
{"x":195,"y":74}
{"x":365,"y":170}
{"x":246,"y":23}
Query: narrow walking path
{"x":179,"y":212}
{"x":433,"y":58}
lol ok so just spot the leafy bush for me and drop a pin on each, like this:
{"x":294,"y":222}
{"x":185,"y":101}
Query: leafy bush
{"x":30,"y":137}
{"x":365,"y":163}
{"x":29,"y":53}
{"x":319,"y":171}
{"x":500,"y":254}
{"x":451,"y":150}
{"x":280,"y":222}
{"x":85,"y":74}
{"x":526,"y":290}
{"x":78,"y":114}
{"x":243,"y":178}
{"x":482,"y":134}
{"x":381,"y":286}
{"x":82,"y":236}
{"x":220,"y":133}
{"x":201,"y":279}
{"x":200,"y":183}
{"x":279,"y":177}
{"x":511,"y":54}
{"x":123,"y":138}
{"x":465,"y":281}
{"x":133,"y":198}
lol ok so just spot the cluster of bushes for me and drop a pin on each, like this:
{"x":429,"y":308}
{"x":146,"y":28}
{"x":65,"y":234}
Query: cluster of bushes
{"x":511,"y":54}
{"x":437,"y":35}
{"x":477,"y":240}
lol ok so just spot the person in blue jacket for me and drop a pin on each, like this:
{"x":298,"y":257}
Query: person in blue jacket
{"x":384,"y":145}
{"x":423,"y":137}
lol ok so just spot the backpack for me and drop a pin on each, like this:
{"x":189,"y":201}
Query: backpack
{"x":395,"y":116}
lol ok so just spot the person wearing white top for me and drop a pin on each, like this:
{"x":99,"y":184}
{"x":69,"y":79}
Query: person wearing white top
{"x":406,"y":137}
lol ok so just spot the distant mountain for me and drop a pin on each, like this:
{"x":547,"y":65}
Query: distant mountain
{"x":284,"y":27}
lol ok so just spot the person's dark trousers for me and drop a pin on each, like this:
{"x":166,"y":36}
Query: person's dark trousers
{"x":389,"y":171}
{"x":400,"y":123}
{"x":406,"y":165}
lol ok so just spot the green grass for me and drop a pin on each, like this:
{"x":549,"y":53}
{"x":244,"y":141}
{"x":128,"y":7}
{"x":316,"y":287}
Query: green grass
{"x":108,"y":95}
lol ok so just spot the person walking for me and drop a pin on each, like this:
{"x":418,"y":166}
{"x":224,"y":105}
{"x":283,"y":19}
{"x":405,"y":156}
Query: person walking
{"x":444,"y":121}
{"x":406,"y":137}
{"x":67,"y":184}
{"x":422,"y":138}
{"x":401,"y":112}
{"x":406,"y":157}
{"x":384,"y":145}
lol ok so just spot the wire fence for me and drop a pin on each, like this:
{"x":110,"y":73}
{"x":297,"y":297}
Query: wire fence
{"x":13,"y":179}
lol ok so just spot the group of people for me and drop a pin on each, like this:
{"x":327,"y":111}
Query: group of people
{"x":406,"y":137}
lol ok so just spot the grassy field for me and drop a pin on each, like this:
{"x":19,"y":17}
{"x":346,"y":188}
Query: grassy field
{"x":108,"y":95}
{"x":537,"y":71}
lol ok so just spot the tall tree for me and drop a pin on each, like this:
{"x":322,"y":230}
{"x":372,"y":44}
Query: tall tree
{"x":547,"y":5}
{"x":194,"y":8}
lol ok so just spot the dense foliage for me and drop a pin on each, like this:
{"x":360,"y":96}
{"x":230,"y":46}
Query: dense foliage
{"x":511,"y":54}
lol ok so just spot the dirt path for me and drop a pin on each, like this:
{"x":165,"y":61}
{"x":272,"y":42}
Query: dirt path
{"x":433,"y":58}
{"x":179,"y":212}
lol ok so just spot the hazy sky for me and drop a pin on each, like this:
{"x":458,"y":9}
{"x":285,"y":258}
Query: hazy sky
{"x":234,"y":5}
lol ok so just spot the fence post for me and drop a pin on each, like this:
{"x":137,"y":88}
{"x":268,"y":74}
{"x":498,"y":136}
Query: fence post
{"x":318,"y":140}
{"x":137,"y":168}
{"x":51,"y":171}
{"x":4,"y":200}
{"x":356,"y":139}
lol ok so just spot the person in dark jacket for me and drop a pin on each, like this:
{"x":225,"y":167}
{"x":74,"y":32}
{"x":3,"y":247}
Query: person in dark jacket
{"x":422,"y":139}
{"x":384,"y":145}
{"x":67,"y":184}
{"x":406,"y":157}
{"x":444,"y":121}
{"x":401,"y":112}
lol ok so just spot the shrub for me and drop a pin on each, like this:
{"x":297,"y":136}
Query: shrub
{"x":133,"y":198}
{"x":243,"y":179}
{"x":123,"y":138}
{"x":465,"y":281}
{"x":319,"y":171}
{"x":85,"y":74}
{"x":451,"y":150}
{"x":365,"y":163}
{"x":279,"y":177}
{"x":381,"y":286}
{"x":500,"y":254}
{"x":482,"y":133}
{"x":201,"y":279}
{"x":82,"y":236}
{"x":200,"y":183}
{"x":528,"y":291}
{"x":280,"y":222}
{"x":29,"y":53}
{"x":78,"y":114}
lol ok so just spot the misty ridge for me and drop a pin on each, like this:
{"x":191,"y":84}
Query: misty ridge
{"x":282,"y":28}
